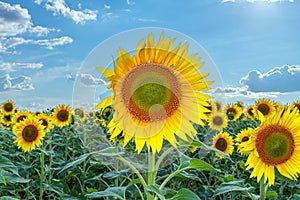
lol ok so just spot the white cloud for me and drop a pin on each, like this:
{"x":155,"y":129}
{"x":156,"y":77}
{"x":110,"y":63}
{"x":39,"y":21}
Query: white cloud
{"x":106,"y":6}
{"x":59,"y":7}
{"x":14,"y":66}
{"x":279,"y":79}
{"x":86,"y":79}
{"x":16,"y":20}
{"x":130,"y":2}
{"x":252,"y":1}
{"x":108,"y":16}
{"x":8,"y":83}
{"x":12,"y":42}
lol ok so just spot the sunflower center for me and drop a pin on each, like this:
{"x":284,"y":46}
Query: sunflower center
{"x":63,"y":115}
{"x":245,"y":139}
{"x":217,"y":121}
{"x":264,"y":109}
{"x":44,"y":123}
{"x":221,"y":144}
{"x":8,"y":107}
{"x":147,"y":86}
{"x":20,"y":118}
{"x":275,"y":144}
{"x":250,"y":111}
{"x":30,"y":133}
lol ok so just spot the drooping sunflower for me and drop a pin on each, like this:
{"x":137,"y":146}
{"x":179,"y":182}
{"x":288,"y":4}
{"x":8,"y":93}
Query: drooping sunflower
{"x":29,"y":132}
{"x":62,"y":115}
{"x":217,"y":106}
{"x":242,"y":138}
{"x":240,"y":104}
{"x":46,"y":121}
{"x":157,"y":93}
{"x":223,"y":142}
{"x":265,"y":107}
{"x":106,"y":111}
{"x":8,"y":107}
{"x":276,"y":143}
{"x":218,"y":120}
{"x":20,"y":116}
{"x":233,"y":112}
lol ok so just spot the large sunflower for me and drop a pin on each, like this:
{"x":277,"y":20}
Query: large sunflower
{"x":276,"y":143}
{"x":223,"y":142}
{"x":8,"y":107}
{"x":30,"y":133}
{"x":157,"y":93}
{"x":62,"y":115}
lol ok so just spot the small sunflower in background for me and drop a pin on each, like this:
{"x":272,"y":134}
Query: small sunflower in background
{"x":217,"y":106}
{"x":105,"y":112}
{"x":264,"y":107}
{"x":80,"y":114}
{"x":233,"y":112}
{"x":218,"y":120}
{"x":46,"y":121}
{"x":250,"y":112}
{"x":275,"y":144}
{"x":157,"y":93}
{"x":223,"y":142}
{"x":20,"y":116}
{"x":240,"y":104}
{"x":8,"y":107}
{"x":62,"y":115}
{"x":29,"y":132}
{"x":242,"y":140}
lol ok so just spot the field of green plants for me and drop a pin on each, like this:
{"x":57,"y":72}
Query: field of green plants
{"x":76,"y":159}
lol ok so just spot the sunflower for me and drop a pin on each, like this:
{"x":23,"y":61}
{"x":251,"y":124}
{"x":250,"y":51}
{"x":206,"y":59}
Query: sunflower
{"x":223,"y":142}
{"x":242,"y":139}
{"x":233,"y":112}
{"x":20,"y":116}
{"x":106,"y":111}
{"x":62,"y":115}
{"x":217,"y":106}
{"x":250,"y":112}
{"x":79,"y":112}
{"x":46,"y":121}
{"x":29,"y":132}
{"x":296,"y":105}
{"x":264,"y":107}
{"x":276,"y":143}
{"x":240,"y":104}
{"x":8,"y":107}
{"x":157,"y":93}
{"x":217,"y":120}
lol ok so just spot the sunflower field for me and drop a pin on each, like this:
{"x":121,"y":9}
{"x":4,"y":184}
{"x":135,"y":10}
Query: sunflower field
{"x":159,"y":135}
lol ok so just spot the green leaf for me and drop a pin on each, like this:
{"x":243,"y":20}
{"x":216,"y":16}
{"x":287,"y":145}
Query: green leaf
{"x":155,"y":190}
{"x":271,"y":195}
{"x":185,"y":194}
{"x":200,"y":164}
{"x":2,"y":178}
{"x":194,"y":163}
{"x":233,"y":186}
{"x":6,"y":163}
{"x":8,"y":198}
{"x":118,"y":192}
{"x":81,"y":159}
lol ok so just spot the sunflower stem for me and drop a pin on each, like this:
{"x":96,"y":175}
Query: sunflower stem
{"x":42,"y":174}
{"x":151,"y":173}
{"x":262,"y":189}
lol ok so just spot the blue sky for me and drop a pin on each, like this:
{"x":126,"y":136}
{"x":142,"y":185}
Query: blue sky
{"x":44,"y":44}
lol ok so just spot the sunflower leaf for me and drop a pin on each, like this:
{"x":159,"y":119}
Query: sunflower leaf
{"x":185,"y":194}
{"x":81,"y":159}
{"x":233,"y":186}
{"x":156,"y":190}
{"x":118,"y":192}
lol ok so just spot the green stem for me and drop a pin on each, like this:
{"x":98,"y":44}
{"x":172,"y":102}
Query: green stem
{"x":262,"y":189}
{"x":170,"y":177}
{"x":161,"y":158}
{"x":42,"y":174}
{"x":151,"y":173}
